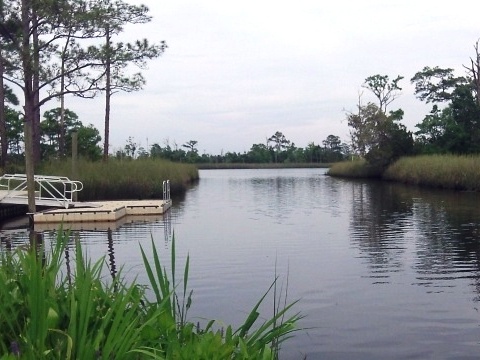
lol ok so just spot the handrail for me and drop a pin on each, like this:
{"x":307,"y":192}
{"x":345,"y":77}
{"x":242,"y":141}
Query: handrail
{"x":166,"y":190}
{"x":56,"y":188}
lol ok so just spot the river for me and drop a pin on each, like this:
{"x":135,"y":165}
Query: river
{"x":381,"y":270}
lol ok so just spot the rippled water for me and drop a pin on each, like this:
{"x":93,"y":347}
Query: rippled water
{"x":382,"y":271}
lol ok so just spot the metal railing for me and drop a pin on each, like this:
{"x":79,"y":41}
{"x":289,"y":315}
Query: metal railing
{"x":166,"y":190}
{"x":48,"y":189}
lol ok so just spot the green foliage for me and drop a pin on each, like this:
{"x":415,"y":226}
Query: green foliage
{"x":334,"y":149}
{"x":379,"y":138}
{"x":384,"y":90}
{"x":88,"y":137}
{"x":455,"y":129}
{"x":167,"y":152}
{"x":47,"y":314}
{"x":259,"y":153}
{"x":282,"y":151}
{"x":52,"y":316}
{"x":466,"y":118}
{"x":130,"y":147}
{"x":192,"y":153}
{"x":376,"y":136}
{"x":432,"y":130}
{"x":391,"y":142}
{"x":10,"y":96}
{"x":280,"y":143}
{"x":14,"y":125}
{"x":435,"y":84}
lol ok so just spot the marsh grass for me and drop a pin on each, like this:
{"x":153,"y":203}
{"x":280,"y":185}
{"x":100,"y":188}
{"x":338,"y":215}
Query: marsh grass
{"x":441,"y":171}
{"x":358,"y":168}
{"x":457,"y":172}
{"x":45,"y":314}
{"x":124,"y":179}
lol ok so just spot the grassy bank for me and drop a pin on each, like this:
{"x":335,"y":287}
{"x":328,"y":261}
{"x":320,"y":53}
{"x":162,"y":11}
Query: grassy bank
{"x":353,"y":169}
{"x":439,"y":171}
{"x":52,"y":310}
{"x":124,"y":179}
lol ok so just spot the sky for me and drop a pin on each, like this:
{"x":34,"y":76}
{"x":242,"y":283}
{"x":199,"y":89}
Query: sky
{"x":235,"y":72}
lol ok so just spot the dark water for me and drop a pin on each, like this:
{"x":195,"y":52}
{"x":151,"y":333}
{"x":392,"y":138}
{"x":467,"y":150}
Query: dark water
{"x":382,"y":271}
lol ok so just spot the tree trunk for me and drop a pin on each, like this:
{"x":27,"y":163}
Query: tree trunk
{"x":476,"y":72}
{"x":108,"y":94}
{"x":29,"y":158}
{"x":61,"y":143}
{"x":3,"y":122}
{"x":29,"y":105}
{"x":36,"y":134}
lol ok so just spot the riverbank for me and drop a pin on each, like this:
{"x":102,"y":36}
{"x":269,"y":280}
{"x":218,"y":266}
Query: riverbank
{"x":438,"y":171}
{"x":124,"y":179}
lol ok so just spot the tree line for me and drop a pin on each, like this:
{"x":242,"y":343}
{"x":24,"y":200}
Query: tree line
{"x":277,"y":149}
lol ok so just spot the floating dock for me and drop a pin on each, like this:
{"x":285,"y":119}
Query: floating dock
{"x":103,"y":211}
{"x":58,"y":192}
{"x":100,"y":225}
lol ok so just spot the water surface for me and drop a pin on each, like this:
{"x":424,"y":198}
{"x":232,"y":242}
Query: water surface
{"x":382,"y":270}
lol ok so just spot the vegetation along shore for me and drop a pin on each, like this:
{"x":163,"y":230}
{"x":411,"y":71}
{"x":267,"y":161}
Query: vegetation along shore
{"x":457,"y":172}
{"x":124,"y":179}
{"x":57,"y":310}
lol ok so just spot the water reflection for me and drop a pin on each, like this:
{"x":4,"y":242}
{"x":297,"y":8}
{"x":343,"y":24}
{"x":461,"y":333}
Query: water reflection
{"x":382,"y":270}
{"x":280,"y":194}
{"x":434,"y":233}
{"x":111,"y":255}
{"x":68,"y":266}
{"x":379,"y":224}
{"x":107,"y":240}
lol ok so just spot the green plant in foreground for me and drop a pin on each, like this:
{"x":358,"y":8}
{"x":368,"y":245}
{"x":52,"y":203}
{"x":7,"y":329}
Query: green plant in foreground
{"x":46,"y":314}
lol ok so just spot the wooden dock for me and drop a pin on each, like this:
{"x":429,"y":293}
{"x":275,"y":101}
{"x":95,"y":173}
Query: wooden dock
{"x":102,"y":211}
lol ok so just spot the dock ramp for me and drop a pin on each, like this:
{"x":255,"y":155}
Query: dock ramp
{"x":52,"y":191}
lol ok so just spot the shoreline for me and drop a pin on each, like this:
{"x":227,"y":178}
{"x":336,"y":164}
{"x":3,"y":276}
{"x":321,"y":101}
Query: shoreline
{"x":449,"y":172}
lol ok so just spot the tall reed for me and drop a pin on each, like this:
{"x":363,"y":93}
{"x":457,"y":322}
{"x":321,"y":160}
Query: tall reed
{"x":124,"y":179}
{"x":358,"y":168}
{"x":442,"y":171}
{"x":44,"y":314}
